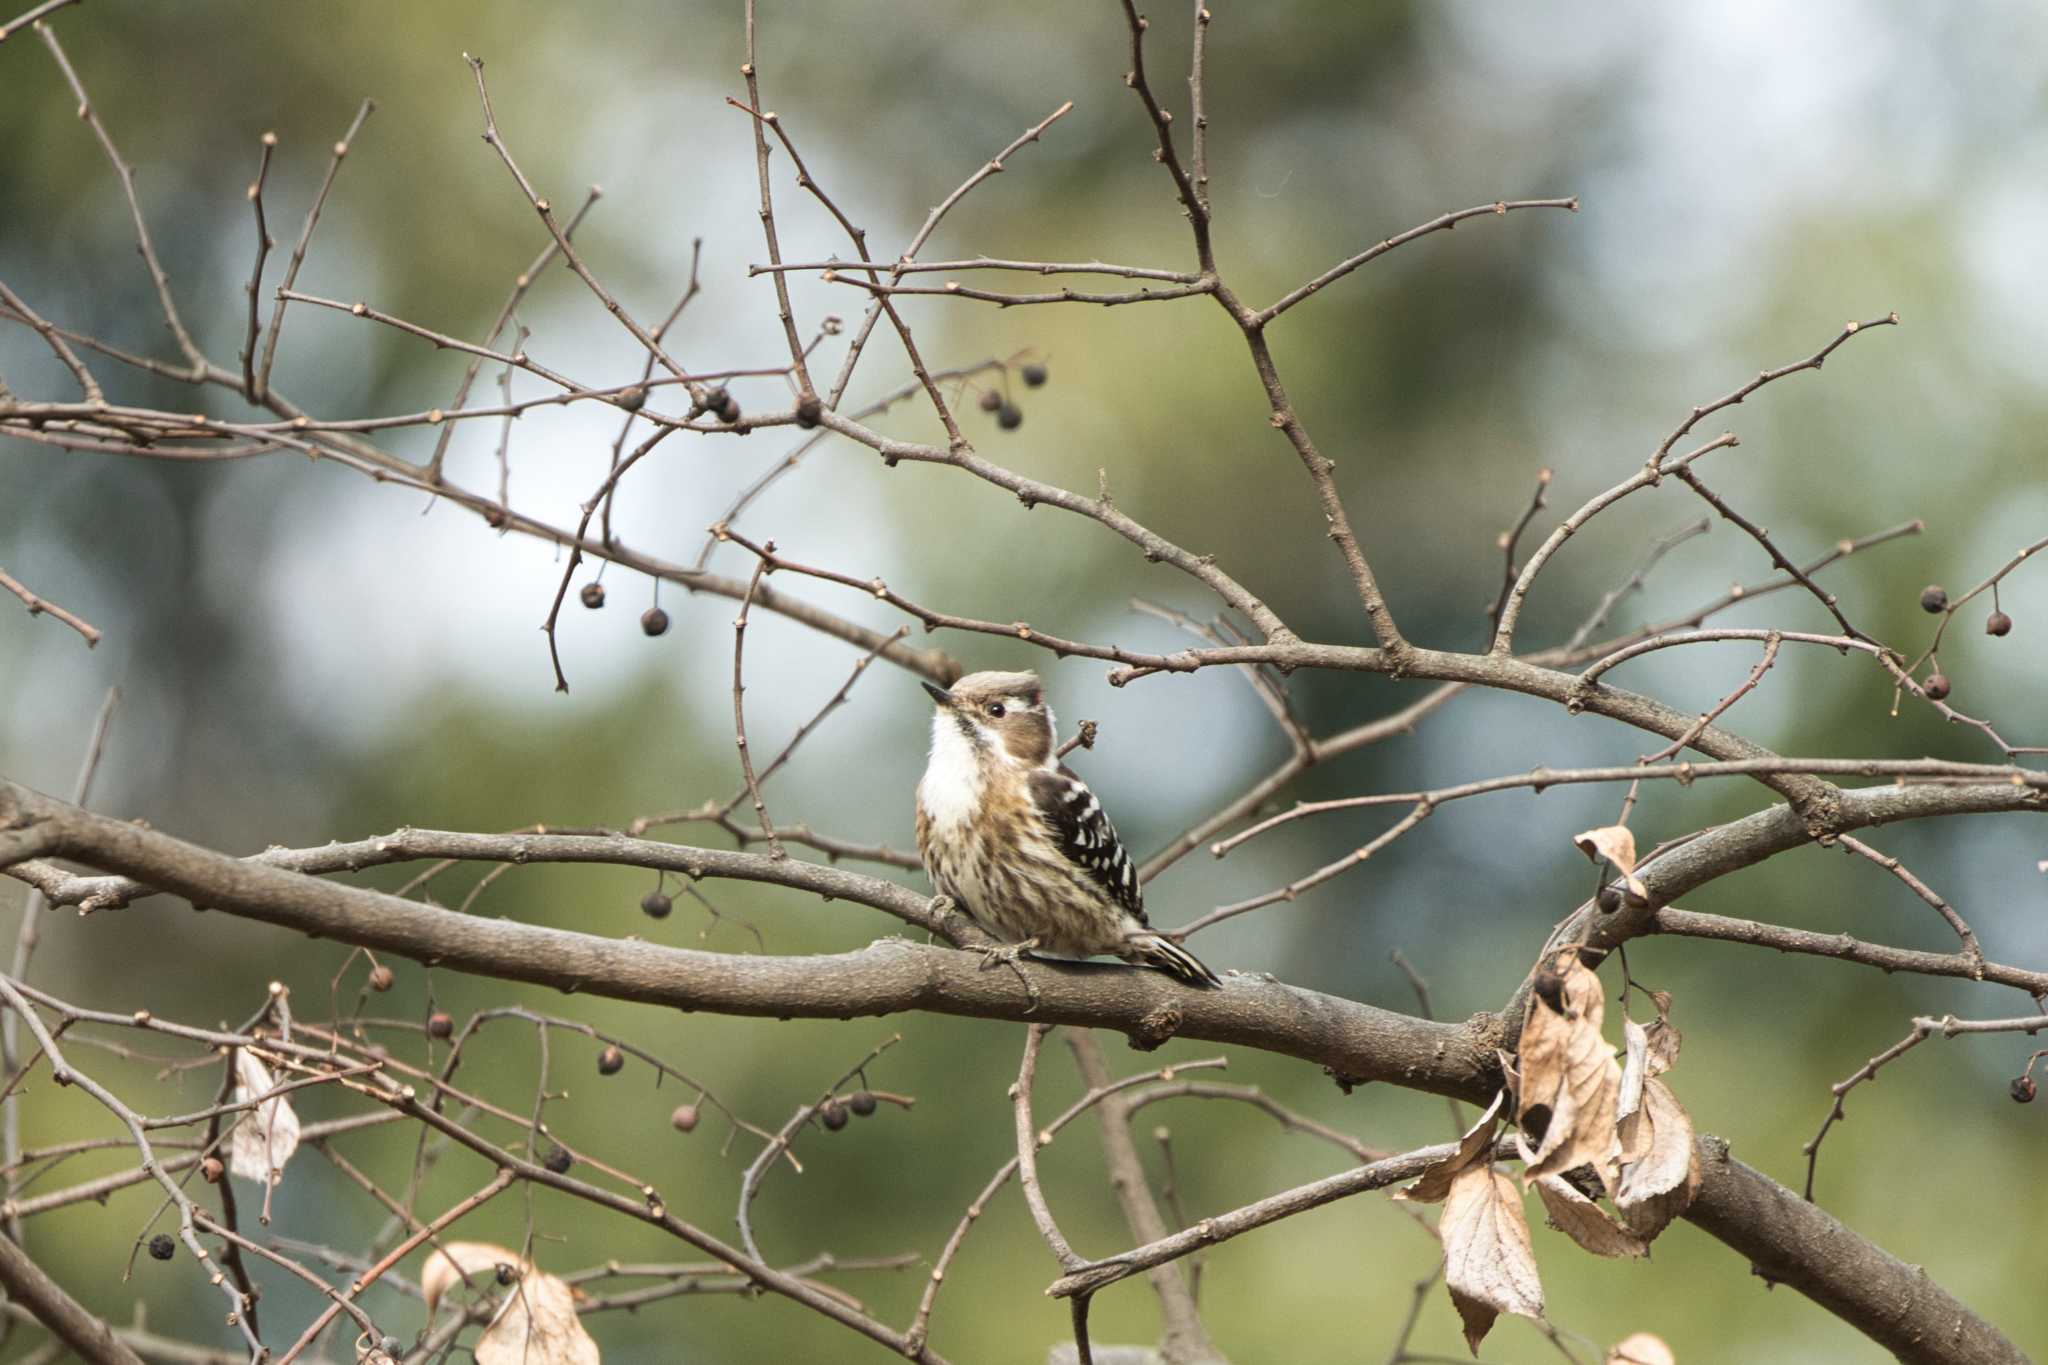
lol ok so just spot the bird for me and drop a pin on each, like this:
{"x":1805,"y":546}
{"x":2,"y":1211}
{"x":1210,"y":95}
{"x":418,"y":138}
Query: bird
{"x":1014,"y":838}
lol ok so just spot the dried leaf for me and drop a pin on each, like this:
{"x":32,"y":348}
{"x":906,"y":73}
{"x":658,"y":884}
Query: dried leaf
{"x":1568,"y":1070}
{"x":1617,"y":844}
{"x":266,"y":1136}
{"x":1660,"y":1172}
{"x":1664,"y":1036}
{"x":1643,"y":1348}
{"x":1436,"y":1178}
{"x":1635,"y":1067}
{"x":1585,"y":1222}
{"x":1488,"y":1265}
{"x":536,"y":1322}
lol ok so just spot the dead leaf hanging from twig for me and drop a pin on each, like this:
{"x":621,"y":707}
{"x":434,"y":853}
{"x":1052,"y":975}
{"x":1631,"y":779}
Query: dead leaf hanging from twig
{"x":1617,"y":844}
{"x":535,"y":1322}
{"x":1570,"y":1082}
{"x":265,"y":1137}
{"x":1435,"y":1183}
{"x":1585,"y":1222}
{"x":1488,"y":1265}
{"x":1659,"y":1170}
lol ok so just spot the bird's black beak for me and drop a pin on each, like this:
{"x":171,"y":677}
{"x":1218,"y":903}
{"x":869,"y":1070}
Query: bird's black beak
{"x":939,"y":694}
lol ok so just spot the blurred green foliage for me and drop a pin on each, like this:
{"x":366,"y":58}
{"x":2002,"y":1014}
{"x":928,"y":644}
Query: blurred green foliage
{"x":306,"y":656}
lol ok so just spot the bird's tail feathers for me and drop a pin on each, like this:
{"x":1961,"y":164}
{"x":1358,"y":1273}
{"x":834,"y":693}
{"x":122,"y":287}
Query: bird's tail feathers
{"x":1155,"y":950}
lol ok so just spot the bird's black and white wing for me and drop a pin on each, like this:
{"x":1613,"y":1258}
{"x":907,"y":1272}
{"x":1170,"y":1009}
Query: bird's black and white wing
{"x":1078,"y":826}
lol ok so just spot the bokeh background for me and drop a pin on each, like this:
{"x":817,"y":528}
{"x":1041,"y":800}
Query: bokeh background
{"x":305,"y":655}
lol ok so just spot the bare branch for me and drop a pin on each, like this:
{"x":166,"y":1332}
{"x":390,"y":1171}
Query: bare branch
{"x":38,"y":606}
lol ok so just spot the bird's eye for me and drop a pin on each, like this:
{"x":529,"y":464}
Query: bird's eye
{"x":995,"y":710}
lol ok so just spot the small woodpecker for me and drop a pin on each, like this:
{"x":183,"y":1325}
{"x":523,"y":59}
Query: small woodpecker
{"x":1015,"y":839}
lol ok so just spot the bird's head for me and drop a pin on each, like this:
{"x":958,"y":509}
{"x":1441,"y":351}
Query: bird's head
{"x":1001,"y":713}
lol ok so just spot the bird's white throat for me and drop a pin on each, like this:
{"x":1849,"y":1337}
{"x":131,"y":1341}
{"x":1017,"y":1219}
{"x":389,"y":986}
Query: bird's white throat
{"x":951,"y":790}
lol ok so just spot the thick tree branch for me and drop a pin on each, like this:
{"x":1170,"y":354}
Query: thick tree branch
{"x":90,"y":1337}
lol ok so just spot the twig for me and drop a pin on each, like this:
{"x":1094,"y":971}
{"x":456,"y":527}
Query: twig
{"x":1184,"y":1337}
{"x":54,"y":338}
{"x":126,"y":173}
{"x":779,"y":1143}
{"x":496,"y":1186}
{"x":523,"y":282}
{"x":1924,"y":1027}
{"x":993,"y":166}
{"x":1971,"y":949}
{"x":264,"y":242}
{"x":547,"y":216}
{"x":739,"y":710}
{"x":750,"y":70}
{"x":1094,"y":1276}
{"x":1511,"y":610}
{"x":1442,"y":223}
{"x":1029,"y":1140}
{"x":1812,"y":362}
{"x":260,"y":382}
{"x":1708,"y":717}
{"x":38,"y":606}
{"x":22,"y":21}
{"x":1512,"y":537}
{"x":1669,"y":919}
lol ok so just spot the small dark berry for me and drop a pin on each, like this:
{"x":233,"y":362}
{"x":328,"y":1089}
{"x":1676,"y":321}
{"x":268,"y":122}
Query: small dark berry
{"x":656,"y":905}
{"x":833,"y":1113}
{"x":1610,"y":900}
{"x":559,"y":1161}
{"x":440,"y":1025}
{"x":1933,"y":600}
{"x":2022,"y":1089}
{"x":633,"y":399}
{"x":1936,"y":687}
{"x":162,"y":1247}
{"x":713,"y":399}
{"x":507,"y":1273}
{"x":729,"y":410}
{"x":654,"y":621}
{"x":809,"y":411}
{"x":1009,"y":417}
{"x":1998,"y":623}
{"x":382,"y":977}
{"x":592,"y":595}
{"x":1549,"y":987}
{"x":610,"y":1062}
{"x":684,"y":1120}
{"x":212,"y":1170}
{"x":863,"y":1102}
{"x":1034,"y":374}
{"x":990,"y":400}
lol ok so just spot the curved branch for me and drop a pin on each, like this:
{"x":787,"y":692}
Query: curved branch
{"x":1793,"y":1241}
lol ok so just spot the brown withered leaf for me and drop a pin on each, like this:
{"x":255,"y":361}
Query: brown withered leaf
{"x":1659,"y":1171}
{"x":265,"y":1137}
{"x":1488,"y":1265}
{"x":1436,"y":1177}
{"x":1664,"y":1036}
{"x":1642,"y":1348}
{"x":1635,"y":1068}
{"x":1585,"y":1222}
{"x":535,"y":1322}
{"x":1617,"y":844}
{"x":1569,"y":1071}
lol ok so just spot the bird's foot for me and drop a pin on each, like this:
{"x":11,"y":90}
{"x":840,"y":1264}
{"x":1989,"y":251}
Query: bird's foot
{"x":1006,"y":955}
